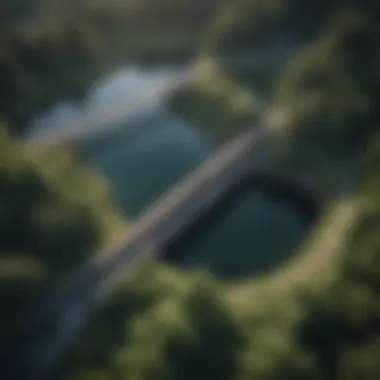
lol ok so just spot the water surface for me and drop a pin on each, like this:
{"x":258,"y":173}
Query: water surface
{"x":155,"y":150}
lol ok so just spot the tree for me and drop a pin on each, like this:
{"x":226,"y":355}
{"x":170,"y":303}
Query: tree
{"x":331,"y":89}
{"x":46,"y":222}
{"x":39,"y":66}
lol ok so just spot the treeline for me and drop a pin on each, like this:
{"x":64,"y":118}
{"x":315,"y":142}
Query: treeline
{"x":59,"y":53}
{"x":160,"y":14}
{"x":244,"y":23}
{"x":330,"y":92}
{"x":330,"y":86}
{"x":40,"y":67}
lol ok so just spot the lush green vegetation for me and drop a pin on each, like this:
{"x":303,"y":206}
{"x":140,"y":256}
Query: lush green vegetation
{"x":315,"y":318}
{"x":331,"y":91}
{"x":64,"y":49}
{"x":37,"y":68}
{"x":218,"y":105}
{"x":246,"y":23}
{"x":311,"y":319}
{"x":53,"y":214}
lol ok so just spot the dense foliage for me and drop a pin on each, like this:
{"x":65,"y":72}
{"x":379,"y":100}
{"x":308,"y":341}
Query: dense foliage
{"x":219,"y":105}
{"x":246,"y":23}
{"x":38,"y":67}
{"x":331,"y":90}
{"x":53,"y":215}
{"x":316,"y":318}
{"x":60,"y":52}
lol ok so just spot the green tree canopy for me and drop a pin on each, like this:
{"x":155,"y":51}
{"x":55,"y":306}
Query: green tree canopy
{"x":331,"y":90}
{"x":316,"y":318}
{"x":53,"y":215}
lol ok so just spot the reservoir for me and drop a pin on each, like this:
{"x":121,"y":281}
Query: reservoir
{"x":147,"y":151}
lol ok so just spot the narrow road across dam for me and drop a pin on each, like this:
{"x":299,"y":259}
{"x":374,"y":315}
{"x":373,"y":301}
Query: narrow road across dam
{"x":32,"y":354}
{"x":37,"y":349}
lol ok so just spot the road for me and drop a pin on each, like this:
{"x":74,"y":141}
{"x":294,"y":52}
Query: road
{"x":36,"y":350}
{"x":57,"y":323}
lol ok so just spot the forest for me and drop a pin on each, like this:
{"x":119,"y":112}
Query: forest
{"x":315,"y":317}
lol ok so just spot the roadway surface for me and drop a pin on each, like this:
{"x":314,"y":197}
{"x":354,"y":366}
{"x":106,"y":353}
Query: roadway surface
{"x":36,"y":350}
{"x":57,"y":323}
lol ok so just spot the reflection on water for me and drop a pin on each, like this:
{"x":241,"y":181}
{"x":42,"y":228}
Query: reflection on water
{"x":126,"y":84}
{"x":252,"y":233}
{"x":158,"y":151}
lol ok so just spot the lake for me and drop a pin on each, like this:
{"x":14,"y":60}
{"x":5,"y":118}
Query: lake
{"x":155,"y":150}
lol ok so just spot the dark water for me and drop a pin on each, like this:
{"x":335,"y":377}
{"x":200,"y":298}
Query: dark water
{"x":157,"y":149}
